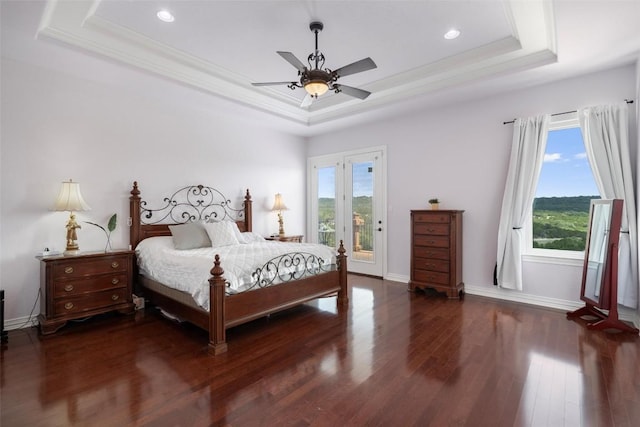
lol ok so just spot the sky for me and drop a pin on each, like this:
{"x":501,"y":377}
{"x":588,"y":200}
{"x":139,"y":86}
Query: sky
{"x":566,"y":170}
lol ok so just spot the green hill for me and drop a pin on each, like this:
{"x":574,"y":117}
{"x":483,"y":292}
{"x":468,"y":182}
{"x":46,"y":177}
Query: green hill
{"x":575,"y":204}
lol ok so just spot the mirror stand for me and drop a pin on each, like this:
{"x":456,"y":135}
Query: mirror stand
{"x":608,"y":320}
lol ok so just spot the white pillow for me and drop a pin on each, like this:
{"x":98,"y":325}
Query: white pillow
{"x":222,"y":233}
{"x":249,"y":237}
{"x":191,"y":235}
{"x":236,"y":230}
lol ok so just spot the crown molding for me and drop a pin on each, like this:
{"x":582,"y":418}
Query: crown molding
{"x":532,"y":44}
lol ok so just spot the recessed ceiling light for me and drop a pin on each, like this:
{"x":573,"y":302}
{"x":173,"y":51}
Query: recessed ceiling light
{"x":452,"y":34}
{"x":165,"y":15}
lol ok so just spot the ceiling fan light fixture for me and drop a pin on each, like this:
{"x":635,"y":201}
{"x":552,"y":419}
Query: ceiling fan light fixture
{"x":316,"y":88}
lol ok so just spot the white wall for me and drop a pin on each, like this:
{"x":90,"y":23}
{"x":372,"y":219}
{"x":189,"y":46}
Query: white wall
{"x":56,"y":127}
{"x":459,"y":153}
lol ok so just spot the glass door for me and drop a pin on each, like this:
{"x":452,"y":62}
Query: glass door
{"x":347,"y":202}
{"x":364,"y":208}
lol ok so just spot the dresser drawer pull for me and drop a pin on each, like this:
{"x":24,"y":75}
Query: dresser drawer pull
{"x":68,"y":270}
{"x":68,"y":305}
{"x":115,"y":281}
{"x":68,"y":288}
{"x":115,"y":264}
{"x":115,"y":297}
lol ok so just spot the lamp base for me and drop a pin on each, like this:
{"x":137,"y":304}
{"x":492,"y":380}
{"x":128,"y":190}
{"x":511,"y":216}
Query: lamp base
{"x":280,"y":225}
{"x":71,"y":252}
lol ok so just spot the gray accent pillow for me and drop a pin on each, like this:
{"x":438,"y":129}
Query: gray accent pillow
{"x":191,"y":235}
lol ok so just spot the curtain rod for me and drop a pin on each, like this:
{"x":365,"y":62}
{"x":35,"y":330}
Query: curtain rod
{"x":628,"y":101}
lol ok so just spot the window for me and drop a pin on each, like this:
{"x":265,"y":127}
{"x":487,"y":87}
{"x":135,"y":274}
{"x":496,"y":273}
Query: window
{"x":566,"y":186}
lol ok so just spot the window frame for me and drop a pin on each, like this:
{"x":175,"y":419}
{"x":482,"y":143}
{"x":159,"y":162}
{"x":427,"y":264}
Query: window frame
{"x":551,"y":256}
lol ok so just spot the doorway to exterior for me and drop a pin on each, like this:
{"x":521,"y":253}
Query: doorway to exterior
{"x":347,"y":199}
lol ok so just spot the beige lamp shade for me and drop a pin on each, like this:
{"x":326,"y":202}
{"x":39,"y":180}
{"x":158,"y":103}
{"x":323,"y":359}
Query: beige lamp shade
{"x":278,"y":204}
{"x":70,"y":199}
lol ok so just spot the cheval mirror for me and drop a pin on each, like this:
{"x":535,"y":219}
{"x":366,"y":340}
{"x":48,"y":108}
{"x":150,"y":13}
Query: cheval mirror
{"x":600,"y":272}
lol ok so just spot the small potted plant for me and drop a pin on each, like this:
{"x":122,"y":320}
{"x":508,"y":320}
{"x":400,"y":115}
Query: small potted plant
{"x":435,"y":203}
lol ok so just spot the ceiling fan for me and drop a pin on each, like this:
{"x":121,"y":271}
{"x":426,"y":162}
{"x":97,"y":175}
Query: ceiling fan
{"x":317,"y":81}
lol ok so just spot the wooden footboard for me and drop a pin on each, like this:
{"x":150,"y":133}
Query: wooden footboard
{"x":227,"y":311}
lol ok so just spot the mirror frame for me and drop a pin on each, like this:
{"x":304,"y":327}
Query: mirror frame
{"x":608,"y":276}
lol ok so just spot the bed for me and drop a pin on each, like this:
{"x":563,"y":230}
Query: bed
{"x":276,"y":287}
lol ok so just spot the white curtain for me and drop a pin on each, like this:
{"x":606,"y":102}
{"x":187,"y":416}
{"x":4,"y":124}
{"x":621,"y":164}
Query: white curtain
{"x":527,"y":154}
{"x":605,"y":130}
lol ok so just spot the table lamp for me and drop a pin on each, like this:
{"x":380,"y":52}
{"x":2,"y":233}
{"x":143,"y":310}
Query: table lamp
{"x":279,"y":206}
{"x":70,"y":200}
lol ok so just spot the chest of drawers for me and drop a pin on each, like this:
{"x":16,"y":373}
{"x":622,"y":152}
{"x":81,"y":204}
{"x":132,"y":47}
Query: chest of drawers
{"x":78,"y":286}
{"x":436,"y":251}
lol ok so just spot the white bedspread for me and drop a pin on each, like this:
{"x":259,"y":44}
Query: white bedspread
{"x":189,"y":270}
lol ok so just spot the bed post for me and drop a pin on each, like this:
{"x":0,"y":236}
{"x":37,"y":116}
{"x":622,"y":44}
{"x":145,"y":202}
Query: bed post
{"x":217,"y":337}
{"x":247,"y":212}
{"x":343,"y":294}
{"x":134,"y":216}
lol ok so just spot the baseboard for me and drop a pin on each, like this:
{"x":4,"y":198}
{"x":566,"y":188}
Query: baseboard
{"x":397,"y":278}
{"x":515,"y":296}
{"x":20,"y":322}
{"x":628,"y":315}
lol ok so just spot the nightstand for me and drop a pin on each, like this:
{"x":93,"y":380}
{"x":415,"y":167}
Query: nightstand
{"x":78,"y":286}
{"x":295,"y":238}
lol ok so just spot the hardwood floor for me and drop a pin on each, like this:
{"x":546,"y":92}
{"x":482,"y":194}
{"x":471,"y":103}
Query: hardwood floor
{"x":392,"y":359}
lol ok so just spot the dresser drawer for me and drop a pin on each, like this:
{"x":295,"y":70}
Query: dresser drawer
{"x":66,"y":288}
{"x":434,"y":241}
{"x":74,"y":269}
{"x":432,"y":264}
{"x":432,"y":217}
{"x":431,"y":228}
{"x":435,"y":277}
{"x":65,"y":306}
{"x":429,"y":252}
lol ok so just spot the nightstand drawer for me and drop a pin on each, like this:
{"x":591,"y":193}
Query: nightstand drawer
{"x":89,"y":302}
{"x":74,"y":268}
{"x":65,"y":288}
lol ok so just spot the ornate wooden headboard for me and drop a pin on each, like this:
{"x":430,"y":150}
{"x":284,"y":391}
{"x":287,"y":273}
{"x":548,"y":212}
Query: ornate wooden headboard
{"x":187,"y":204}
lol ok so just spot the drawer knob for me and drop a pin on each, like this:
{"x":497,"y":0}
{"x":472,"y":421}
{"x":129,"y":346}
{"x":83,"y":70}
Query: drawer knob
{"x":68,"y":305}
{"x":115,"y":281}
{"x":115,"y":297}
{"x":68,"y":288}
{"x":115,"y":264}
{"x":68,"y":270}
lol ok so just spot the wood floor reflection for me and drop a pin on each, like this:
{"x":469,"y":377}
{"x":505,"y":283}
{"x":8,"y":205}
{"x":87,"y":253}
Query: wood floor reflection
{"x":392,"y":359}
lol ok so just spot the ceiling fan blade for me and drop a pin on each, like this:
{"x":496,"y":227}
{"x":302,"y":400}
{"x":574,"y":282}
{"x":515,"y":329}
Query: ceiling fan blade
{"x":353,"y":91}
{"x":357,"y":67}
{"x":291,"y":59}
{"x":272,"y":83}
{"x":308,"y":100}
